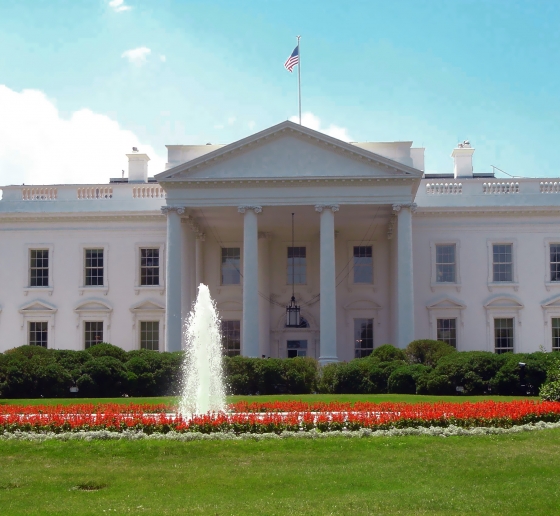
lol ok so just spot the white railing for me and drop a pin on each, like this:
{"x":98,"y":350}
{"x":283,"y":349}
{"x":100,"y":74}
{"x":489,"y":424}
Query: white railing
{"x":95,"y":192}
{"x":508,"y":187}
{"x":44,"y":193}
{"x":550,"y":187}
{"x":444,"y":188}
{"x":148,"y":192}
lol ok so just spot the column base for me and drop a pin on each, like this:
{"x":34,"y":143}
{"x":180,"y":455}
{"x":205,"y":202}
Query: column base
{"x":327,"y":360}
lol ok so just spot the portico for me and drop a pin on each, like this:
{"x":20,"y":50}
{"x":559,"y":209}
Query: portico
{"x":239,"y":199}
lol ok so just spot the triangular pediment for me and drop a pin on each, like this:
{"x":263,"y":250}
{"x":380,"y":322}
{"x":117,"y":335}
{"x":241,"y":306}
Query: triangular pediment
{"x":446,"y":303}
{"x":93,"y":306}
{"x":147,"y":306}
{"x":504,"y":302}
{"x":37,"y":306}
{"x":287,"y":151}
{"x":553,"y":303}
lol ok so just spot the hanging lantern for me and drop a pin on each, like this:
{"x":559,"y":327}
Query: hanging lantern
{"x":292,"y":314}
{"x":292,"y":311}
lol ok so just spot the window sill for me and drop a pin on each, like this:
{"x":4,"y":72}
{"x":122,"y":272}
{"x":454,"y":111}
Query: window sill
{"x":552,"y":284}
{"x":434,"y":286}
{"x":49,"y":290}
{"x":149,"y":288}
{"x":503,"y":284}
{"x":90,"y":289}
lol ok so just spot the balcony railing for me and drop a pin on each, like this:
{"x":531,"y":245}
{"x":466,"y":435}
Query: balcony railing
{"x":83,"y":192}
{"x":444,"y":188}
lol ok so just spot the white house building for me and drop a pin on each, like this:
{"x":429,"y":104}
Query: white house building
{"x":382,"y":253}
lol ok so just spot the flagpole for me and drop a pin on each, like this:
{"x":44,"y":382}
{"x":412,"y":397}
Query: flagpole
{"x":299,"y":77}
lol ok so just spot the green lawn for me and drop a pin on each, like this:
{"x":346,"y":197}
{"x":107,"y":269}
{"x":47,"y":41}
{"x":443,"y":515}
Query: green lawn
{"x":508,"y":474}
{"x":172,"y":401}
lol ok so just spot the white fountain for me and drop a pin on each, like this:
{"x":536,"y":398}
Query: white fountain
{"x":203,"y":380}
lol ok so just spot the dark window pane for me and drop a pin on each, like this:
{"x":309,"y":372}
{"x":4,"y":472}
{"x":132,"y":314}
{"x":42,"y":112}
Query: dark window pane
{"x":39,"y":268}
{"x":503,"y":335}
{"x":231,"y":338}
{"x":554,"y":262}
{"x":94,"y":267}
{"x":93,"y":333}
{"x":149,"y":267}
{"x":363,"y":337}
{"x":445,"y":263}
{"x":447,"y":331}
{"x":502,"y":266}
{"x":38,"y":333}
{"x":149,"y":335}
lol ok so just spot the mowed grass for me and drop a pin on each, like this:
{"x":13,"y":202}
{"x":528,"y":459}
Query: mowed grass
{"x":486,"y":475}
{"x":173,"y":400}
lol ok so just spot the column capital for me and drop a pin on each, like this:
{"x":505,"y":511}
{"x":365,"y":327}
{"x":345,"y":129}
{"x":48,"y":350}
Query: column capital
{"x":243,"y":209}
{"x":412,"y":206}
{"x":333,"y":207}
{"x":179,"y":209}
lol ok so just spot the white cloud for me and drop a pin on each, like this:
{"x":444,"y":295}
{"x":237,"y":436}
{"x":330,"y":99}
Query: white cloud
{"x":38,"y":146}
{"x":137,"y":56}
{"x":251,"y":125}
{"x":162,"y":58}
{"x":231,"y":120}
{"x":119,"y":6}
{"x":314,"y":122}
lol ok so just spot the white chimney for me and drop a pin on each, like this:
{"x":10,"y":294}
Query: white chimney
{"x":462,"y":155}
{"x":137,"y":167}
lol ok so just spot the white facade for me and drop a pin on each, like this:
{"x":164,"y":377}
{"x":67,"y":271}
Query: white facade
{"x":378,"y":246}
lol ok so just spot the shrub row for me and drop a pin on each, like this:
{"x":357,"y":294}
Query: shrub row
{"x":424,"y":367}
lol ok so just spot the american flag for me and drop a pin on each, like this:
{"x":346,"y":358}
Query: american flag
{"x":292,"y":60}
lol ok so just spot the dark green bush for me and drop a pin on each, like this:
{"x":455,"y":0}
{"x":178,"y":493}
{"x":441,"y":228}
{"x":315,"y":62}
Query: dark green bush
{"x":427,"y":352}
{"x":388,"y":353}
{"x":109,"y":377}
{"x":403,"y":379}
{"x":103,"y":349}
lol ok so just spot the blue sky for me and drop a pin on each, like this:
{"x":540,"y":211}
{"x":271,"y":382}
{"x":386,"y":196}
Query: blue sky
{"x":109,"y":74}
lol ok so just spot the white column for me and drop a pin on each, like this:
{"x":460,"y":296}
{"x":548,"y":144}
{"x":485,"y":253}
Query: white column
{"x":188,"y":288}
{"x":327,"y":277}
{"x":173,"y":320}
{"x":264,"y":297}
{"x":405,"y":284}
{"x":199,"y":259}
{"x":250,"y":337}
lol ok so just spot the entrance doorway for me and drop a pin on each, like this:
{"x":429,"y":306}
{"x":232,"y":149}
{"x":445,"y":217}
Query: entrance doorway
{"x":296,"y":348}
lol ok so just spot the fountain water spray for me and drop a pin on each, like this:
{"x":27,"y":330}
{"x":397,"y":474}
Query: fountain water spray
{"x":202,"y":372}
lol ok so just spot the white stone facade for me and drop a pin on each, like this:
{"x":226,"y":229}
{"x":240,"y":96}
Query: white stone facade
{"x":378,"y":246}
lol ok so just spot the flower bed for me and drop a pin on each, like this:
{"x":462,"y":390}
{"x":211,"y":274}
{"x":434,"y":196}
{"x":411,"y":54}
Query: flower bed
{"x":276,"y":417}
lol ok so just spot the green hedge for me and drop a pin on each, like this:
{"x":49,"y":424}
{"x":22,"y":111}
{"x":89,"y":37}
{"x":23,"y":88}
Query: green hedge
{"x":425,"y":367}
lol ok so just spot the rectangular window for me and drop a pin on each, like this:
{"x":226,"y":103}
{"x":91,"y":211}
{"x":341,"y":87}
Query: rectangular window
{"x":503,"y":335}
{"x":502,"y":262}
{"x":149,"y":335}
{"x":556,"y":334}
{"x":149,"y":267}
{"x":445,"y":263}
{"x":93,"y":267}
{"x":93,"y":333}
{"x":363,"y":337}
{"x":231,"y":338}
{"x":297,"y":348}
{"x":38,"y":333}
{"x":363,"y":264}
{"x":554,"y":262}
{"x":38,"y":267}
{"x":447,"y":331}
{"x":297,"y":266}
{"x":231,"y":265}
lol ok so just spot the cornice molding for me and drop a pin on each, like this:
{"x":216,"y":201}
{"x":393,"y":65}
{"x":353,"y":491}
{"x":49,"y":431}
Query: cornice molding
{"x":41,"y":217}
{"x":283,"y":182}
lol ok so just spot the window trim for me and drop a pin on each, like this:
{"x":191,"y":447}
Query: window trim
{"x":547,"y":281}
{"x":350,"y":244}
{"x":94,"y":289}
{"x":28,"y":248}
{"x":228,"y":245}
{"x":504,"y":307}
{"x":93,"y":309}
{"x":162,"y":268}
{"x":38,"y":311}
{"x":447,"y":308}
{"x":148,"y":310}
{"x":551,"y":309}
{"x":434,"y":284}
{"x":490,"y":258}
